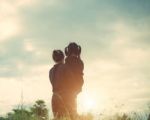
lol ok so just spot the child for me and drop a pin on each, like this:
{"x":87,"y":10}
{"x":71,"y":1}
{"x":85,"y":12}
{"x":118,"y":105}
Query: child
{"x":58,"y":107}
{"x":58,"y":58}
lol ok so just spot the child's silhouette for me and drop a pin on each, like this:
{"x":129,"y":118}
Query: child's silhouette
{"x":58,"y":106}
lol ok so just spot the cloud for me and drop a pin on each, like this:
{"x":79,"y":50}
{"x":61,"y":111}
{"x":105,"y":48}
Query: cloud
{"x":9,"y":21}
{"x":34,"y":85}
{"x":115,"y":44}
{"x":121,"y":67}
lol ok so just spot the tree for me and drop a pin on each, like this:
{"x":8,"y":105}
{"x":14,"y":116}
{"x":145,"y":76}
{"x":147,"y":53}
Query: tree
{"x":19,"y":114}
{"x":2,"y":118}
{"x":39,"y":110}
{"x":148,"y":117}
{"x":9,"y":116}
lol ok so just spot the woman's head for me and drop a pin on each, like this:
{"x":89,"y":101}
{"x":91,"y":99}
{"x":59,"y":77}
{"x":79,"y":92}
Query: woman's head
{"x":58,"y":56}
{"x":73,"y":49}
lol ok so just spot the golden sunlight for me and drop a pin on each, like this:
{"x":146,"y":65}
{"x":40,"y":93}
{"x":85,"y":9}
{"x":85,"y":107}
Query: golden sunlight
{"x":9,"y":28}
{"x":89,"y":103}
{"x":86,"y":103}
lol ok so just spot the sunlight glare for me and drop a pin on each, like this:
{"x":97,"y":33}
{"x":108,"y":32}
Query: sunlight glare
{"x":89,"y":103}
{"x":86,"y":103}
{"x":9,"y":28}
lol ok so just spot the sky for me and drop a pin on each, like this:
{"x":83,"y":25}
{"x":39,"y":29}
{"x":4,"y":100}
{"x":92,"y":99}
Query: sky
{"x":115,"y":40}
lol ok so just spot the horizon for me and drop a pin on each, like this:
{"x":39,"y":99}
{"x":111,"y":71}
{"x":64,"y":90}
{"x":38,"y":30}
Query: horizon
{"x":114,"y":36}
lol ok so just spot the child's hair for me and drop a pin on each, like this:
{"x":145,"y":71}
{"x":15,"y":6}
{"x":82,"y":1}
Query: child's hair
{"x":58,"y":56}
{"x":73,"y":48}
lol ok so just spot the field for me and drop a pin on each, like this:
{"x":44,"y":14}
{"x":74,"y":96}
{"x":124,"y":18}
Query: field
{"x":39,"y":111}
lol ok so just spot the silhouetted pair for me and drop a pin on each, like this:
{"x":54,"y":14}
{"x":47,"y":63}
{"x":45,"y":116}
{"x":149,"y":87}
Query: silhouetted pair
{"x":66,"y":77}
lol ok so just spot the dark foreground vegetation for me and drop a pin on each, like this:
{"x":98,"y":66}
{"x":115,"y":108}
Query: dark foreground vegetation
{"x":39,"y":111}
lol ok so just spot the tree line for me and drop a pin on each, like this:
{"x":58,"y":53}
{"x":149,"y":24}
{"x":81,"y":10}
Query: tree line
{"x":38,"y":111}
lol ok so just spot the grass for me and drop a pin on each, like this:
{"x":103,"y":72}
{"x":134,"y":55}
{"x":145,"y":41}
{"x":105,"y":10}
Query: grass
{"x":87,"y":117}
{"x":41,"y":113}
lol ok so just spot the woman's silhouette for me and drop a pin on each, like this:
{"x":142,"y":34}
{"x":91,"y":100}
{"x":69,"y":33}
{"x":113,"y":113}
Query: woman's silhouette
{"x":67,"y":80}
{"x":74,"y":76}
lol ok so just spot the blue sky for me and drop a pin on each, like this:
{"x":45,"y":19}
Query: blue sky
{"x":114,"y":35}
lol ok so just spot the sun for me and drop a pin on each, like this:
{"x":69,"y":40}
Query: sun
{"x":89,"y":103}
{"x":86,"y":103}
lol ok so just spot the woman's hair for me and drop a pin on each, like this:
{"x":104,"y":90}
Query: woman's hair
{"x":58,"y":56}
{"x":73,"y":48}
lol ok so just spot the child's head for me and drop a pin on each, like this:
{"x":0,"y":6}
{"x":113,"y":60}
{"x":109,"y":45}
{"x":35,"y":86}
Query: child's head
{"x":58,"y":56}
{"x":73,"y":49}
